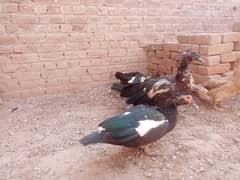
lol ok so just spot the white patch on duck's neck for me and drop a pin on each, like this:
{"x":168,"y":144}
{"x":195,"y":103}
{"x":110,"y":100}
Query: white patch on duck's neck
{"x":146,"y":125}
{"x":131,"y":80}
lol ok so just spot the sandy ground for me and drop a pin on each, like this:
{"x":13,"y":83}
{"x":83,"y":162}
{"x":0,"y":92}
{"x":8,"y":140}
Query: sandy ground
{"x":39,"y":140}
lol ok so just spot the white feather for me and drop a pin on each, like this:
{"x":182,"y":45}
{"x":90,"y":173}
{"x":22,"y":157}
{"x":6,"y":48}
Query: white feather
{"x":131,"y":80}
{"x":146,"y":125}
{"x":126,"y":113}
{"x":100,"y":129}
{"x":142,"y":79}
{"x":155,"y":89}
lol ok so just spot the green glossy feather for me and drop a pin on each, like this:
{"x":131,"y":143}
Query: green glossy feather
{"x":131,"y":120}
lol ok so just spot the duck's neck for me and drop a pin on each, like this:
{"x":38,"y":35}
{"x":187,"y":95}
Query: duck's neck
{"x":182,"y":68}
{"x":170,"y":113}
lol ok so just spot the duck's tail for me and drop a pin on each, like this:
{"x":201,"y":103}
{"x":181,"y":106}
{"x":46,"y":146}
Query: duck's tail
{"x":92,"y":139}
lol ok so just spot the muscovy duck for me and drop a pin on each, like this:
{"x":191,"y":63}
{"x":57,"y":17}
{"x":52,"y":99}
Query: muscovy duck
{"x":140,"y":125}
{"x":128,"y":79}
{"x":154,"y":91}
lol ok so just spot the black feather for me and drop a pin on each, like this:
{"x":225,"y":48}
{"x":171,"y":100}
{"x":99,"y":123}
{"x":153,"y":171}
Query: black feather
{"x":92,"y":139}
{"x":118,"y":86}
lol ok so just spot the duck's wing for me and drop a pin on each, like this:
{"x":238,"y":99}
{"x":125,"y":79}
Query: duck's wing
{"x":130,"y":78}
{"x":129,"y":126}
{"x":145,"y":92}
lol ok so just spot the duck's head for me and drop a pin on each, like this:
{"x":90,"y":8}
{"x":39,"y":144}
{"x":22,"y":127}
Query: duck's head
{"x":191,"y":55}
{"x":180,"y":99}
{"x":183,"y":100}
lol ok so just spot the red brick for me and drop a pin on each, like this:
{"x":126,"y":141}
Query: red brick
{"x":10,"y":8}
{"x":84,"y":62}
{"x":43,"y":1}
{"x":201,"y":39}
{"x":2,"y":28}
{"x":236,"y":54}
{"x":227,"y":57}
{"x":156,"y":60}
{"x":201,"y":78}
{"x":209,"y":60}
{"x":52,"y":56}
{"x":153,"y":46}
{"x":99,"y":61}
{"x":97,"y":53}
{"x":153,"y":66}
{"x":11,"y":28}
{"x":134,"y":36}
{"x":151,"y":53}
{"x":23,"y":58}
{"x":69,"y":1}
{"x":162,"y":54}
{"x":52,"y":74}
{"x":78,"y":27}
{"x":37,"y":67}
{"x":236,"y":27}
{"x":50,"y":65}
{"x":236,"y":46}
{"x":53,"y":10}
{"x":26,"y":9}
{"x":98,"y":69}
{"x":7,"y":39}
{"x":211,"y":70}
{"x":54,"y":19}
{"x":76,"y":37}
{"x":216,"y":49}
{"x":50,"y":48}
{"x":32,"y":84}
{"x":6,"y":49}
{"x":76,"y":19}
{"x":117,"y":52}
{"x":175,"y":56}
{"x":5,"y":19}
{"x":194,"y":68}
{"x":231,"y":37}
{"x":171,"y":47}
{"x":115,"y":36}
{"x":24,"y":19}
{"x":31,"y":38}
{"x":56,"y":38}
{"x":27,"y":75}
{"x":77,"y":46}
{"x":76,"y":54}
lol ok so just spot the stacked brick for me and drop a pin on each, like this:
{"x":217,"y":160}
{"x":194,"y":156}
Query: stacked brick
{"x":219,"y":50}
{"x":164,"y":57}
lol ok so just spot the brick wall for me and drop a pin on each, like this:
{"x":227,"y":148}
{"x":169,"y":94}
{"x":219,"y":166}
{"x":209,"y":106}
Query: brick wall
{"x":50,"y":46}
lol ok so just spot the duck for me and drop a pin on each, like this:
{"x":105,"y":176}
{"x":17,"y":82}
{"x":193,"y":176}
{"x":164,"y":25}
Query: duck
{"x":154,"y":91}
{"x":139,"y":126}
{"x":128,"y":79}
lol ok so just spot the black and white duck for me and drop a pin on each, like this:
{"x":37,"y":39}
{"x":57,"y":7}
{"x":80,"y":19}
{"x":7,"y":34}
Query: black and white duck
{"x":140,"y":125}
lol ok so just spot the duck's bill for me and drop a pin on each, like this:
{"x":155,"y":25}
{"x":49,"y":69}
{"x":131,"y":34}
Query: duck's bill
{"x":199,"y":58}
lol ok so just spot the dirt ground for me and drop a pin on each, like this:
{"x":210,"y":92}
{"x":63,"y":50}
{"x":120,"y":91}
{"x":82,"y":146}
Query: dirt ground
{"x":39,"y":140}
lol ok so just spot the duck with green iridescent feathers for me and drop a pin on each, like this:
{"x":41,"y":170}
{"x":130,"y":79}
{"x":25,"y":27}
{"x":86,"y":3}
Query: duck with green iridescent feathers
{"x":140,"y":125}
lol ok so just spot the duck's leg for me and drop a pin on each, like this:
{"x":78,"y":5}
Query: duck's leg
{"x":146,"y":149}
{"x":218,"y":106}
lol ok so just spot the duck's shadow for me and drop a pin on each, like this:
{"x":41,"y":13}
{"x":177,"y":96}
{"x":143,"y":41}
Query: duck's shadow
{"x":121,"y":159}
